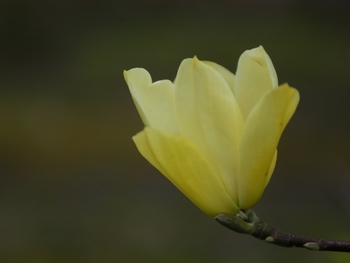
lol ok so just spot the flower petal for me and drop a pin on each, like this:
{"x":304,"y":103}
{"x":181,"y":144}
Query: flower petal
{"x":271,"y":169}
{"x":227,"y":75}
{"x":254,"y":77}
{"x":209,"y":116}
{"x":154,"y":101}
{"x":260,"y":138}
{"x":186,"y":167}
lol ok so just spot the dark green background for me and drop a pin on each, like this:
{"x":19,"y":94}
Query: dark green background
{"x":73,"y":187}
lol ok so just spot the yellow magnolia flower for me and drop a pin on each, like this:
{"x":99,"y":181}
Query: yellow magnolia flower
{"x":214,"y":134}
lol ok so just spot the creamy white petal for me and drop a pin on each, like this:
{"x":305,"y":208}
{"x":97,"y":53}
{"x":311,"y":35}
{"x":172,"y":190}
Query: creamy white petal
{"x":209,"y":116}
{"x":260,"y":138}
{"x":154,"y":101}
{"x":254,"y":77}
{"x":187,"y":168}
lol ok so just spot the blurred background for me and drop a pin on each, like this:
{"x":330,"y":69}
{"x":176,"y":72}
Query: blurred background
{"x":73,"y":187}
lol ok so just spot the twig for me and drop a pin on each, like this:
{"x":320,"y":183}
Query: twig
{"x":246,"y":222}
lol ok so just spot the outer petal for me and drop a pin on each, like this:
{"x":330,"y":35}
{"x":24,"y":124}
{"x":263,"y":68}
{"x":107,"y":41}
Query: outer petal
{"x":259,"y":141}
{"x":154,"y":102}
{"x":186,"y":167}
{"x":208,"y":115}
{"x":272,"y":168}
{"x":254,"y":77}
{"x":227,"y":75}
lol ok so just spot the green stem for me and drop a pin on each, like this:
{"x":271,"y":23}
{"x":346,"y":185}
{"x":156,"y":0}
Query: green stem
{"x":246,"y":222}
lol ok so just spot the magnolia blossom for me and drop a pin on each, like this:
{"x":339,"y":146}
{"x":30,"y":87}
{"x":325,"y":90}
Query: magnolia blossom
{"x":214,"y":134}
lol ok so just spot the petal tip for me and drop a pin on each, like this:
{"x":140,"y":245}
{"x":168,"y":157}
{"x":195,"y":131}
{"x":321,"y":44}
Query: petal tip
{"x":259,"y":48}
{"x":195,"y":61}
{"x":125,"y":74}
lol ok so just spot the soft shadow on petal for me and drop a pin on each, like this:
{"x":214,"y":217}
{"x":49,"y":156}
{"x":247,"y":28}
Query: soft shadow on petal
{"x":272,"y":168}
{"x":227,"y":75}
{"x":186,"y":167}
{"x":259,"y":142}
{"x":154,"y":101}
{"x":254,"y":77}
{"x":291,"y":106}
{"x":209,"y":116}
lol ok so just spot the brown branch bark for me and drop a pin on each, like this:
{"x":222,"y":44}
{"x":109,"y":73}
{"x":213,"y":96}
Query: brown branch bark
{"x":247,"y":222}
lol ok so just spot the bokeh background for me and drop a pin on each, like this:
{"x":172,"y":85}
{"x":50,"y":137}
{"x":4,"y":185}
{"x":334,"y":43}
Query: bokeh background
{"x":73,"y":187}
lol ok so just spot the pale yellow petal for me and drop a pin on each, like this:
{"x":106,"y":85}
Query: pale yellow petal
{"x":259,"y":142}
{"x":254,"y":77}
{"x":271,"y":169}
{"x":138,"y":79}
{"x":154,"y":101}
{"x":209,"y":116}
{"x":186,"y":167}
{"x":228,"y":75}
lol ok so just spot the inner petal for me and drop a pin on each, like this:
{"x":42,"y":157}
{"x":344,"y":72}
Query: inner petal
{"x":254,"y":77}
{"x":209,"y":116}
